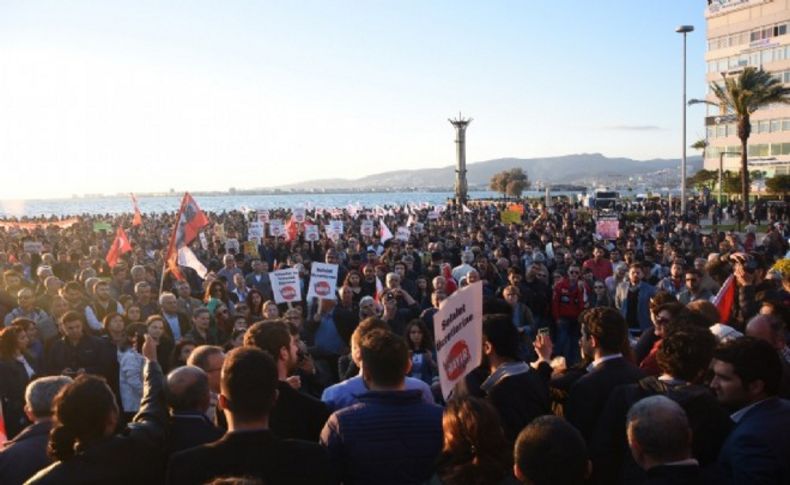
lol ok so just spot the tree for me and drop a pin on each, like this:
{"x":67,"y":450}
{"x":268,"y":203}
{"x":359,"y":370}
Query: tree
{"x":778,"y":184}
{"x":704,"y":178}
{"x":700,"y":144}
{"x":732,"y":183}
{"x":511,"y":182}
{"x":742,"y":95}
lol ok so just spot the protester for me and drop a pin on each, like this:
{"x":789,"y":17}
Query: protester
{"x":549,"y":451}
{"x":189,"y":398}
{"x":26,"y":454}
{"x":249,"y":448}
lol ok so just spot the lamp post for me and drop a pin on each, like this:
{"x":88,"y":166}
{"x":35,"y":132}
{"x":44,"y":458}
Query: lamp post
{"x":683,"y":29}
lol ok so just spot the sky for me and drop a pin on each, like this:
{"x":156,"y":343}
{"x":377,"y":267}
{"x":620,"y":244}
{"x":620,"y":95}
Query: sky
{"x":144,"y":96}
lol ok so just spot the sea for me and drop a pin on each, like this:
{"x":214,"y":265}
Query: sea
{"x":220,"y":203}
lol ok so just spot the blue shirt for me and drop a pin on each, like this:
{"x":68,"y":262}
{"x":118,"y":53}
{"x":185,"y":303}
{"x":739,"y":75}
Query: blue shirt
{"x":326,"y":337}
{"x":347,"y":393}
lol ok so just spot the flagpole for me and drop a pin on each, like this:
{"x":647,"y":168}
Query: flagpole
{"x":162,"y":279}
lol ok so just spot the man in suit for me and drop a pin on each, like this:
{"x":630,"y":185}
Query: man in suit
{"x":177,"y":325}
{"x":295,"y":415}
{"x":549,"y":450}
{"x":747,"y":378}
{"x":249,"y":448}
{"x":189,"y":398}
{"x":660,"y":440}
{"x":25,"y":455}
{"x":604,"y":335}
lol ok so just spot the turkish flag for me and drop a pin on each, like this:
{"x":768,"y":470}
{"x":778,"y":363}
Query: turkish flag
{"x":725,"y":299}
{"x":120,"y":246}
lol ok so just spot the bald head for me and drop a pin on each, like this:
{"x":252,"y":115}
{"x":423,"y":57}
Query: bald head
{"x":769,"y":328}
{"x":188,"y":390}
{"x":658,"y":432}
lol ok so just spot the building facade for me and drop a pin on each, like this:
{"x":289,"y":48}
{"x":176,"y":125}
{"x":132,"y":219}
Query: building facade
{"x":744,"y":33}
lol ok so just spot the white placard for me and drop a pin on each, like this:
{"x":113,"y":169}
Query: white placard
{"x":232,"y":244}
{"x":285,"y":285}
{"x":311,"y":233}
{"x":276,"y":227}
{"x":323,"y":281}
{"x":403,"y":233}
{"x":298,"y":214}
{"x":203,"y":241}
{"x":263,"y":216}
{"x":32,"y":246}
{"x":366,"y":229}
{"x":458,"y":326}
{"x":255,"y":230}
{"x":433,"y":215}
{"x":335,"y":226}
{"x":419,"y":227}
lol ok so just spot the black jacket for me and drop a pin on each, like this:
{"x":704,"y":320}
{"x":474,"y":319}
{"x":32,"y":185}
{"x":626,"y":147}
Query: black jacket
{"x":188,"y":430}
{"x":589,"y":394}
{"x":93,"y":354}
{"x":13,"y":380}
{"x":258,"y":454}
{"x":134,"y":456}
{"x":519,"y":399}
{"x":680,"y":475}
{"x":25,"y":455}
{"x":296,"y":415}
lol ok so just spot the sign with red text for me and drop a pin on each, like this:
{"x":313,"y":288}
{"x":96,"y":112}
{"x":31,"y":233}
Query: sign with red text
{"x":311,"y":233}
{"x":458,"y":326}
{"x":263,"y":216}
{"x":298,"y":214}
{"x":285,"y":285}
{"x":276,"y":227}
{"x":366,"y":228}
{"x":323,"y":281}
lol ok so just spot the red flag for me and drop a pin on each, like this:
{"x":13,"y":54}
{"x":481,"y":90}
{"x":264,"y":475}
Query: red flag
{"x":120,"y":246}
{"x":189,"y":221}
{"x":3,"y":434}
{"x":379,"y":290}
{"x":138,"y":218}
{"x":291,"y":230}
{"x":725,"y":299}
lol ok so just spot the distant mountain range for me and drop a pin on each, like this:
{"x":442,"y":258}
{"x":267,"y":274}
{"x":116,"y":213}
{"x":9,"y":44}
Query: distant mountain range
{"x":569,"y":169}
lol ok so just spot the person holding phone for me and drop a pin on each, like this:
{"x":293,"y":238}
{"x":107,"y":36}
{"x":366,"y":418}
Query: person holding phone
{"x":131,"y":370}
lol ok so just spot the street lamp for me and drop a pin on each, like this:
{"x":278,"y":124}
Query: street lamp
{"x":683,"y":29}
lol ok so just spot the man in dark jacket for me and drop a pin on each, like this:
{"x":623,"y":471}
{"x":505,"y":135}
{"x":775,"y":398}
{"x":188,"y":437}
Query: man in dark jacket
{"x":25,"y":455}
{"x":518,"y":392}
{"x":747,"y":376}
{"x":189,"y":398}
{"x":391,"y":436}
{"x":603,"y":334}
{"x":249,"y":448}
{"x":294,"y":415}
{"x":76,"y":352}
{"x":683,"y":358}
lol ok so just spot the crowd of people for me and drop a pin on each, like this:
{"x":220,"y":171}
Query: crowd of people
{"x":605,"y":361}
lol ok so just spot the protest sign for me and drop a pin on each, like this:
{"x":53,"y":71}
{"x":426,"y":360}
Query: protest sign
{"x":263,"y":216}
{"x":335,"y":227}
{"x":458,"y":326}
{"x":255,"y":230}
{"x":419,"y":227}
{"x":607,"y":228}
{"x":33,"y":246}
{"x":251,"y":248}
{"x":203,"y":241}
{"x":232,"y":244}
{"x":285,"y":285}
{"x":276,"y":227}
{"x":311,"y":233}
{"x":366,"y":229}
{"x":298,"y":215}
{"x":323,"y":281}
{"x":510,"y":217}
{"x":403,"y":233}
{"x":433,"y":215}
{"x":102,"y":226}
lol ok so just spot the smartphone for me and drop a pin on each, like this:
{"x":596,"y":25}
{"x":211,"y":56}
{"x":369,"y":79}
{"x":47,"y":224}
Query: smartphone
{"x":543,"y":331}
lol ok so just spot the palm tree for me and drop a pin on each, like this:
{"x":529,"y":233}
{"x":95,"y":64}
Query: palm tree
{"x":742,"y":95}
{"x":700,"y":144}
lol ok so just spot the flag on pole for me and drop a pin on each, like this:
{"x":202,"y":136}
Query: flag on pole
{"x":384,"y":232}
{"x":725,"y":299}
{"x":466,"y":209}
{"x":291,"y":230}
{"x":189,"y":221}
{"x":379,"y":290}
{"x":138,"y":218}
{"x":187,"y":258}
{"x":120,"y":246}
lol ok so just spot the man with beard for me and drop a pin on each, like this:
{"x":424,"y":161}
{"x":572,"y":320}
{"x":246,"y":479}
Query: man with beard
{"x":295,"y":415}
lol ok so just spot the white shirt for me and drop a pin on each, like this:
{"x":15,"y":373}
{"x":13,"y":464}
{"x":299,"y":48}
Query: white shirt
{"x":739,"y":414}
{"x":601,"y":360}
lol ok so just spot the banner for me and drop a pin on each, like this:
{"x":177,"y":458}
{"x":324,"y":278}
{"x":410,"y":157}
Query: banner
{"x":458,"y":326}
{"x":311,"y":233}
{"x":366,"y":229}
{"x":510,"y":217}
{"x":323,"y":281}
{"x":276,"y":227}
{"x":607,"y":228}
{"x":285,"y":285}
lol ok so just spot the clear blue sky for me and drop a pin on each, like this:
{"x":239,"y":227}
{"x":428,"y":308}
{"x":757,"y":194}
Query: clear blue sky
{"x":107,"y":96}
